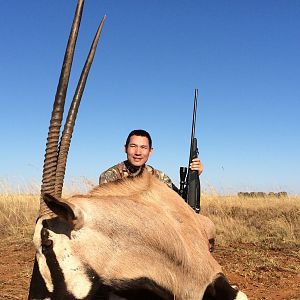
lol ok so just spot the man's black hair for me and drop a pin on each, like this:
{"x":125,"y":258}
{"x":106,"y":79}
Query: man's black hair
{"x":139,"y":132}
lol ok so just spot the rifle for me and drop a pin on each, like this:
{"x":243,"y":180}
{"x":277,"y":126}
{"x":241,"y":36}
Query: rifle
{"x":190,"y":189}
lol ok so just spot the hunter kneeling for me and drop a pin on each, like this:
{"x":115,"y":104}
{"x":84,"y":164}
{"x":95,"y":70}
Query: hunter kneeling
{"x":138,"y":149}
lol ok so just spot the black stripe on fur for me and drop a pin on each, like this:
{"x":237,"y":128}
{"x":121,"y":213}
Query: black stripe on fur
{"x":220,"y":289}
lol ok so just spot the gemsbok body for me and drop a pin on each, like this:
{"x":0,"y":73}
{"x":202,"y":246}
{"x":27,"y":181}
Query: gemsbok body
{"x":130,"y":239}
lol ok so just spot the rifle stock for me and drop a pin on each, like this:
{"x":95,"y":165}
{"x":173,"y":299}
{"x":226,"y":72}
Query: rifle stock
{"x":193,"y":181}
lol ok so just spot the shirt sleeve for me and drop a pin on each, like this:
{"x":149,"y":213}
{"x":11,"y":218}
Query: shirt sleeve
{"x":166,"y":179}
{"x":163,"y":177}
{"x":108,"y":176}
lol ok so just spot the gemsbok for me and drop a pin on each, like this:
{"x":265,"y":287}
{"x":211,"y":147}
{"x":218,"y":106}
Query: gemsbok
{"x":130,"y":239}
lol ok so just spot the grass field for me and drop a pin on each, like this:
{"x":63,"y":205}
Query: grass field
{"x":270,"y":222}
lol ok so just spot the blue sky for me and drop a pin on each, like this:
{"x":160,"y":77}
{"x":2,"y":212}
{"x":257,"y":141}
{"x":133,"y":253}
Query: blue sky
{"x":243,"y":56}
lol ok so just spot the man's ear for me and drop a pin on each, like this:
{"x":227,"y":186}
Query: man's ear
{"x":125,"y":149}
{"x":66,"y":210}
{"x":151,"y":151}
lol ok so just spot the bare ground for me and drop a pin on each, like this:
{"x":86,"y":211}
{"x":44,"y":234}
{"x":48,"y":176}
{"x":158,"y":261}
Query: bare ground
{"x":261,"y":273}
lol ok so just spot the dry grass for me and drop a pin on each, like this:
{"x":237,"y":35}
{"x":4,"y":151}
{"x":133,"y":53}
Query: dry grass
{"x":17,"y":214}
{"x":269,"y":222}
{"x":19,"y":205}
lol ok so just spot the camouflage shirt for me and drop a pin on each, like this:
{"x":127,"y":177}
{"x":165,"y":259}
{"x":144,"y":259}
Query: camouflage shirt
{"x":121,"y":170}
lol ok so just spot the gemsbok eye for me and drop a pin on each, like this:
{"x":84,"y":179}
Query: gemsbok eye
{"x":47,"y":245}
{"x":45,"y":241}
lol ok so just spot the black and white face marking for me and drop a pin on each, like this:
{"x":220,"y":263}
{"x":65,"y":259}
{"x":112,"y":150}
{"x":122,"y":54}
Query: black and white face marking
{"x":220,"y":289}
{"x":63,"y":272}
{"x":67,"y":278}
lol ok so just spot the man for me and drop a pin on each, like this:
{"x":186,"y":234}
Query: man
{"x":138,"y":148}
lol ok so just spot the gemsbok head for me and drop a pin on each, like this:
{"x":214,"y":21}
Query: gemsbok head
{"x":130,"y":239}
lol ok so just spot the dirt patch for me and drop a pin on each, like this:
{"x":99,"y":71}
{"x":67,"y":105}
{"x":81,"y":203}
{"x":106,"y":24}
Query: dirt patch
{"x":15,"y":268}
{"x":262,"y":273}
{"x":269,"y":274}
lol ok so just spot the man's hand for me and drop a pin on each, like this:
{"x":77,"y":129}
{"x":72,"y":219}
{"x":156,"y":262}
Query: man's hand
{"x":196,"y":165}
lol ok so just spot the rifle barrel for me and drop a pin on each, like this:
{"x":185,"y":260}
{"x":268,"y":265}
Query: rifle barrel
{"x":194,"y":122}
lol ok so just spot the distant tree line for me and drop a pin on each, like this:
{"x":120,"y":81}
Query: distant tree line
{"x":262,"y":194}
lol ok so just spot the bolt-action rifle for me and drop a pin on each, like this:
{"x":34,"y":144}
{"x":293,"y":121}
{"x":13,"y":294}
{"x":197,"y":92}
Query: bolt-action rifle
{"x":190,"y":189}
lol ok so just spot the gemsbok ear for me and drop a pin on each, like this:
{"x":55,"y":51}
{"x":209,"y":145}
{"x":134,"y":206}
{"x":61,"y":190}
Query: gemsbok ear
{"x":65,"y":210}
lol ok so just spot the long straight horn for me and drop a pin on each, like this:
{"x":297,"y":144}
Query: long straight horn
{"x":70,"y":121}
{"x":51,"y":155}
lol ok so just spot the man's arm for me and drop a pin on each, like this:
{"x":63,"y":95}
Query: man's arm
{"x":163,"y":177}
{"x":109,"y":175}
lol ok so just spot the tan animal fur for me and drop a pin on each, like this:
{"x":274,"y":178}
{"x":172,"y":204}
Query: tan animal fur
{"x":140,"y":228}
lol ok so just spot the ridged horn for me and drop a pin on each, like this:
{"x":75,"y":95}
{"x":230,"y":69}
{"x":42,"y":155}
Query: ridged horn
{"x":70,"y":121}
{"x":51,"y":155}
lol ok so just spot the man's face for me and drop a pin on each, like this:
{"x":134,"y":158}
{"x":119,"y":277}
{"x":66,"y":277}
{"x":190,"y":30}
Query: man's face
{"x":138,"y":150}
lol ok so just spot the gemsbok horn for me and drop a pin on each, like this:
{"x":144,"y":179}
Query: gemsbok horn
{"x":57,"y":150}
